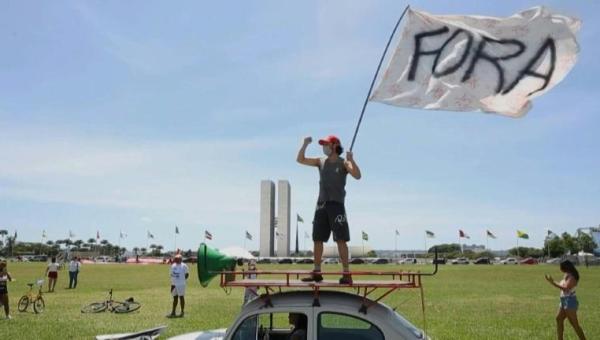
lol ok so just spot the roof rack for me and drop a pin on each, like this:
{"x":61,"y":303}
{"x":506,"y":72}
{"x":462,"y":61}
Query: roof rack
{"x":279,"y":279}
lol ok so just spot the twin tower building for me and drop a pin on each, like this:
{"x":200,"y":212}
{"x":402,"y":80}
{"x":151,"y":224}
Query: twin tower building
{"x":275,"y":230}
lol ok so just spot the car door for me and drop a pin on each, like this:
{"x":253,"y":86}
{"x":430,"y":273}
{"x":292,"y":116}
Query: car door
{"x":274,"y":324}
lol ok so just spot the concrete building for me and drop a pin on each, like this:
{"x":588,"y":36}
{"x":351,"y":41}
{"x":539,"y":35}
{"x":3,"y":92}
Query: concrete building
{"x":267,"y":218}
{"x":283,"y":218}
{"x":275,"y":243}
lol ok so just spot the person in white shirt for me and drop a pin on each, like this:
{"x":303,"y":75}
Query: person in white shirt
{"x":74,"y":267}
{"x":179,"y":274}
{"x":250,"y":293}
{"x":52,"y":272}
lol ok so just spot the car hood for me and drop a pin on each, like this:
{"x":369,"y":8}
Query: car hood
{"x":215,"y":334}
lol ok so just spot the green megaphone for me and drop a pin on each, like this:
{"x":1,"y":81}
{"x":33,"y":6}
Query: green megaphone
{"x":211,"y":262}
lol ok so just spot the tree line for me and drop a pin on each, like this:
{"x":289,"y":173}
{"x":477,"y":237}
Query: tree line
{"x":554,"y":246}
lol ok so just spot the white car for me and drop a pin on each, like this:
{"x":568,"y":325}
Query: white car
{"x":336,"y":316}
{"x":408,"y":260}
{"x":509,"y":260}
{"x":460,"y":260}
{"x":331,"y":260}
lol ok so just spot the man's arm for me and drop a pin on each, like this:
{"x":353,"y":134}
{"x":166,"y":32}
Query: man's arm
{"x":301,"y":158}
{"x":351,"y":166}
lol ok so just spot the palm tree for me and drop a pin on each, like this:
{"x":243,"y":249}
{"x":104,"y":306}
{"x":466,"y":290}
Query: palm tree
{"x":159,"y":248}
{"x":143,"y":249}
{"x":50,"y":242}
{"x":3,"y":233}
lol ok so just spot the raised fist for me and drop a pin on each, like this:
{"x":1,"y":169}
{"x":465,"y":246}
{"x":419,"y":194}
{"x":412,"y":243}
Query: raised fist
{"x":307,"y":140}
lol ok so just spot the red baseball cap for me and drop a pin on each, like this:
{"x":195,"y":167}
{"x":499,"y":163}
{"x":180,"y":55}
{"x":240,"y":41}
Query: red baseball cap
{"x":331,"y":139}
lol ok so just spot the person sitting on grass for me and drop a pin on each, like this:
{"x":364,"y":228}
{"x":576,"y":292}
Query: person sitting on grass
{"x":568,"y":300}
{"x":52,"y":272}
{"x":179,"y":275}
{"x":4,"y":278}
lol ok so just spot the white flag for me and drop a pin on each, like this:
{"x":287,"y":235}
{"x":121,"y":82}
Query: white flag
{"x":477,"y":63}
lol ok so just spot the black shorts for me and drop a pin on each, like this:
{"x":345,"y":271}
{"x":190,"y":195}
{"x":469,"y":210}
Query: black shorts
{"x":3,"y":290}
{"x":330,"y":217}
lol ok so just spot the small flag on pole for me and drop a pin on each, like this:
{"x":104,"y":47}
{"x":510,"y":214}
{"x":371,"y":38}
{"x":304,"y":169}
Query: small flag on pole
{"x":207,"y":235}
{"x":550,"y":233}
{"x":306,"y":235}
{"x":397,"y":232}
{"x":122,"y":234}
{"x":15,"y":235}
{"x":71,"y":235}
{"x":365,"y":236}
{"x":299,"y":218}
{"x":43,"y":234}
{"x":97,"y":234}
{"x":429,"y":234}
{"x":176,"y":230}
{"x":489,"y":234}
{"x":462,"y":234}
{"x":522,"y":234}
{"x":150,"y":234}
{"x":248,"y":235}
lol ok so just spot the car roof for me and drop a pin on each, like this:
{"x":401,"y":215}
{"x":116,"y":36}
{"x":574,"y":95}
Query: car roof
{"x":304,"y":298}
{"x":334,"y":301}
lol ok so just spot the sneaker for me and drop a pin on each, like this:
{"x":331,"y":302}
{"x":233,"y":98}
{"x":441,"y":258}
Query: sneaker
{"x":8,"y":317}
{"x":180,"y":315}
{"x":346,"y":280}
{"x":171,"y":315}
{"x":314,"y":277}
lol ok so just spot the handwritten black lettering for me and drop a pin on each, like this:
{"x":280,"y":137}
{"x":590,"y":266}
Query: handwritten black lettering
{"x":528,"y":71}
{"x":479,"y":54}
{"x":418,"y":53}
{"x":462,"y":59}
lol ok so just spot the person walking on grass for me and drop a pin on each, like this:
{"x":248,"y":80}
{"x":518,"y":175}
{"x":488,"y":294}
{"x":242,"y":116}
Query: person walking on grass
{"x":330,"y":213}
{"x":4,"y":278}
{"x":179,"y":274}
{"x":568,"y":300}
{"x":52,"y":272}
{"x":74,"y":267}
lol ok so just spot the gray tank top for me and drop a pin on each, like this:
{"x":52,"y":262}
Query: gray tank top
{"x":332,"y":180}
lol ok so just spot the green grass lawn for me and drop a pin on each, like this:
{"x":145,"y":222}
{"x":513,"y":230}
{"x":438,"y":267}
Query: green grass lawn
{"x":462,"y":302}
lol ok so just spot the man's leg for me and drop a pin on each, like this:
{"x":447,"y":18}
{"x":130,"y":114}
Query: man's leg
{"x":343,"y":251}
{"x":321,"y":233}
{"x":71,"y":279}
{"x":182,"y":303}
{"x":6,"y":305}
{"x":174,"y":305}
{"x":318,"y":254}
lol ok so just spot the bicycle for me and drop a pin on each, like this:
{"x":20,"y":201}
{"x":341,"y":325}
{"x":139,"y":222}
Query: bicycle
{"x":33,"y":298}
{"x":111,"y":305}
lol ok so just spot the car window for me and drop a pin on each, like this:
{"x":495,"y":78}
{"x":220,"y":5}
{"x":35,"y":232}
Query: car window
{"x":334,"y":326}
{"x":246,"y":330}
{"x":273,"y":326}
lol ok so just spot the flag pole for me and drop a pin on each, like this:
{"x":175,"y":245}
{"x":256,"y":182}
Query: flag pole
{"x":396,"y":244}
{"x":362,"y":112}
{"x":487,"y":243}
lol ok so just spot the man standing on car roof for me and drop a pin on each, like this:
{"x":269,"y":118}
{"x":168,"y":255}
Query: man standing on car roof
{"x":330,"y":213}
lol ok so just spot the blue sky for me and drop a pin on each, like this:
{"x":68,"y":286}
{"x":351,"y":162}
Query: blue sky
{"x":143,"y":115}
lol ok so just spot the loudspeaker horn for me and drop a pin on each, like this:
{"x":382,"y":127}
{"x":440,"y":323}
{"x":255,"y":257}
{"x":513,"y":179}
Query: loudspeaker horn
{"x":211,"y":263}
